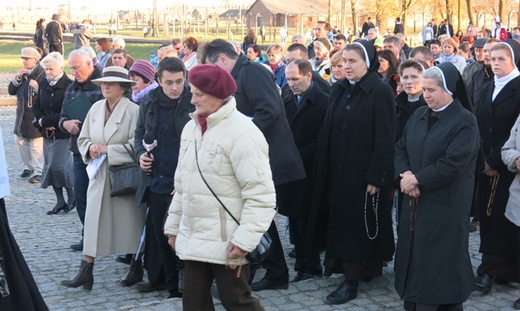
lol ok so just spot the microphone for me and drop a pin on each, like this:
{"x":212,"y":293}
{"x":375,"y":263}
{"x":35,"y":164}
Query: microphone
{"x":149,"y":143}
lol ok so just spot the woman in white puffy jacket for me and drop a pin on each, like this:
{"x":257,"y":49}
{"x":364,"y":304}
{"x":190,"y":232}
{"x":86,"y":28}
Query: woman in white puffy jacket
{"x":232,"y":155}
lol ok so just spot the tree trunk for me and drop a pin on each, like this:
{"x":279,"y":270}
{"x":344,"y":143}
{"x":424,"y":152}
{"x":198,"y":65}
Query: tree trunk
{"x":459,"y":19}
{"x":469,"y":5}
{"x":354,"y":16}
{"x":501,"y":10}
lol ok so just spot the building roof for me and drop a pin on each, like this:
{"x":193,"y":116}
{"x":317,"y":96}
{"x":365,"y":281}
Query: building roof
{"x":294,"y":7}
{"x":232,"y":13}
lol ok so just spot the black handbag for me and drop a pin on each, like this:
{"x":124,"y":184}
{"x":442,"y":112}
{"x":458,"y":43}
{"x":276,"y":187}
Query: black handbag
{"x":124,"y":179}
{"x":262,"y":249}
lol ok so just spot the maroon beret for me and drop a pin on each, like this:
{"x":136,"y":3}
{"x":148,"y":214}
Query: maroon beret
{"x":212,"y":80}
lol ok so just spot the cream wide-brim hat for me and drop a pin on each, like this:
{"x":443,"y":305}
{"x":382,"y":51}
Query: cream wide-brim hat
{"x":114,"y":74}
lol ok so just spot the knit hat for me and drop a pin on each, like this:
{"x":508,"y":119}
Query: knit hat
{"x":213,"y":80}
{"x":144,"y":68}
{"x":379,"y":42}
{"x":113,"y":74}
{"x":30,"y":53}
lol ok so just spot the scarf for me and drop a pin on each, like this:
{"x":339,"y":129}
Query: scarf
{"x":447,"y":58}
{"x":52,"y":82}
{"x":203,"y":123}
{"x":501,"y":82}
{"x":136,"y":97}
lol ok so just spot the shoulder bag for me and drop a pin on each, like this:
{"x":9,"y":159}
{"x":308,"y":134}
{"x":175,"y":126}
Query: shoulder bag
{"x":262,"y":249}
{"x":124,"y":179}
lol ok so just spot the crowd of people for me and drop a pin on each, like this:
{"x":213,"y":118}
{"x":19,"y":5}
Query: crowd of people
{"x":335,"y":135}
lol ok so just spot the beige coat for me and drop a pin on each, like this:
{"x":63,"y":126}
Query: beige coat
{"x":233,"y":157}
{"x":112,"y":225}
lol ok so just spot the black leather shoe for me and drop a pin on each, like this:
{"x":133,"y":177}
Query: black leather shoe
{"x":344,"y":293}
{"x":126,"y":259}
{"x":84,"y":277}
{"x":174,"y":294}
{"x":134,"y":274}
{"x":70,"y":206}
{"x":26,"y":173}
{"x":57,"y":208}
{"x":264,"y":284}
{"x":516,"y":305}
{"x":77,"y":247}
{"x":304,"y":276}
{"x":484,"y":283}
{"x":149,"y":287}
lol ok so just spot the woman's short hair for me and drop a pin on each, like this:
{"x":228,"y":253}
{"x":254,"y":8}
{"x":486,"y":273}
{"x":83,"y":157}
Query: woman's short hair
{"x":105,"y":45}
{"x":336,"y":58}
{"x":256,"y":48}
{"x":54,"y":58}
{"x":410,"y":63}
{"x":451,"y":42}
{"x":191,"y":43}
{"x":464,"y":47}
{"x":276,"y":49}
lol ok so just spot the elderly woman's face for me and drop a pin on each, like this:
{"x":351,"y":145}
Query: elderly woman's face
{"x":205,"y":104}
{"x":52,"y":70}
{"x":112,"y":91}
{"x":434,"y":95}
{"x":338,"y":71}
{"x":411,"y":80}
{"x":29,"y":63}
{"x":355,"y":66}
{"x":140,"y":84}
{"x":501,"y":63}
{"x":274,"y":58}
{"x":321,"y":51}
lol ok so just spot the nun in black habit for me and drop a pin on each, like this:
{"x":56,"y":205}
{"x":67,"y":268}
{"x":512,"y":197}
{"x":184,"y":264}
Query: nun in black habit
{"x":18,"y":291}
{"x":435,"y":165}
{"x":351,"y":208}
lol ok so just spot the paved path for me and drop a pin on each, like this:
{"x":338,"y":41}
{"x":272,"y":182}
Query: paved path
{"x":45,"y":240}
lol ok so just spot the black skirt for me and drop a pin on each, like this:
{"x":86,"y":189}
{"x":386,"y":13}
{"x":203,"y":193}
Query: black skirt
{"x":18,"y":290}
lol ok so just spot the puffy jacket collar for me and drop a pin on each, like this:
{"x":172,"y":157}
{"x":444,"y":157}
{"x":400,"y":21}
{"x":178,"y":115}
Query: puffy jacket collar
{"x":214,"y":118}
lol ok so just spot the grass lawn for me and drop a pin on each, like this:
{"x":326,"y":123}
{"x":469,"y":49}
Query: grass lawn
{"x":10,"y":53}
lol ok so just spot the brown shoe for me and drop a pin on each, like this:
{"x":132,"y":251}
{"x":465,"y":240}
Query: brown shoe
{"x":149,"y":287}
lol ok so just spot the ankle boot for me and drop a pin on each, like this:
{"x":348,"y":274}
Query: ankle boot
{"x":134,"y":274}
{"x":484,"y":283}
{"x":84,"y":277}
{"x":347,"y":291}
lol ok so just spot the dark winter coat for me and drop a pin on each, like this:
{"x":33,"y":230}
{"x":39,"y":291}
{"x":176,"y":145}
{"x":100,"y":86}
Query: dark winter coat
{"x":48,"y":105}
{"x":306,"y":121}
{"x":398,"y":28}
{"x":355,"y":149}
{"x":25,"y":98}
{"x":432,"y":263}
{"x":257,"y":96}
{"x":148,"y":121}
{"x":495,"y":120}
{"x":38,"y":38}
{"x":405,"y":110}
{"x":480,"y":81}
{"x":75,"y":89}
{"x":442,"y":29}
{"x":54,"y":32}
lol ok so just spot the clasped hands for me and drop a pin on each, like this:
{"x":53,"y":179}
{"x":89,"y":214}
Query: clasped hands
{"x":409,"y":184}
{"x":96,"y":150}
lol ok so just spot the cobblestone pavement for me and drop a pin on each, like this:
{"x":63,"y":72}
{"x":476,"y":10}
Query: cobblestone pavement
{"x":44,"y":241}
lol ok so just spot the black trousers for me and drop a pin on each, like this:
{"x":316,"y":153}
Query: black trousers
{"x":233,"y":289}
{"x":305,"y":262}
{"x":158,"y":205}
{"x":275,"y":264}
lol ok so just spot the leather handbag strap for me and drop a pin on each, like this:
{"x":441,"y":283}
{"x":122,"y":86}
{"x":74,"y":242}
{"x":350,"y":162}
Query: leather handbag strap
{"x":132,"y":154}
{"x":211,"y":190}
